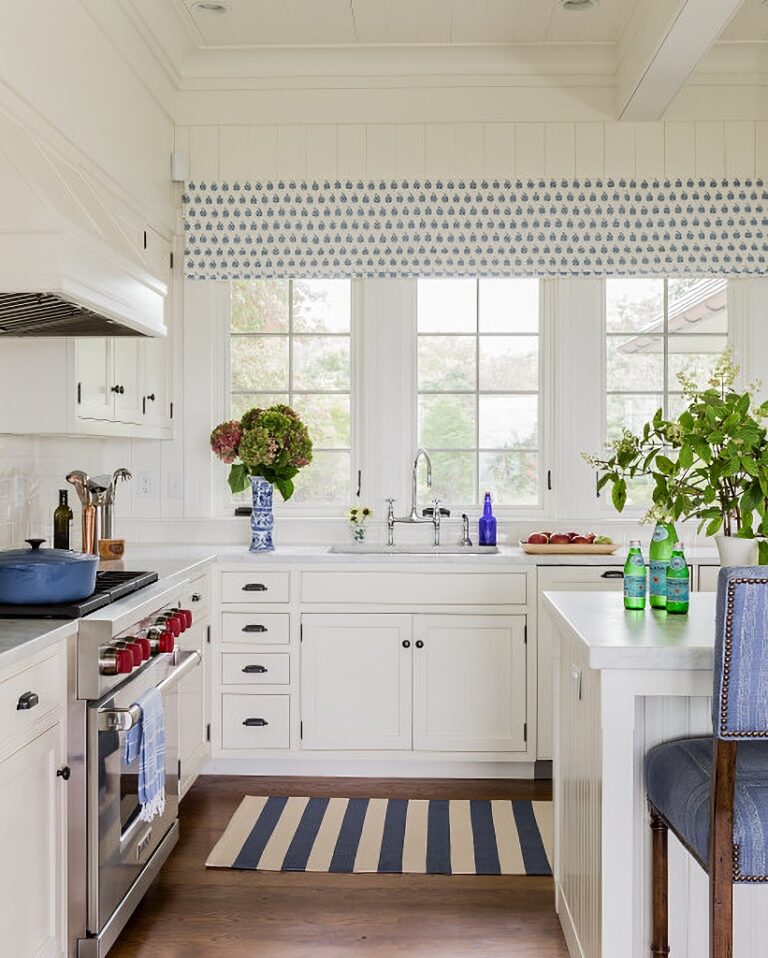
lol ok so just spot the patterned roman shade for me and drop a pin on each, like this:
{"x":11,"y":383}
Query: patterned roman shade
{"x":475,"y":228}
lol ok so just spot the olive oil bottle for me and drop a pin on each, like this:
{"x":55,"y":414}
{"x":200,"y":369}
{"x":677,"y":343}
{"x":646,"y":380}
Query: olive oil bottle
{"x":62,"y":522}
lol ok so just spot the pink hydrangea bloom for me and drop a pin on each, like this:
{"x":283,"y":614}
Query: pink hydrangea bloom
{"x":225,"y":440}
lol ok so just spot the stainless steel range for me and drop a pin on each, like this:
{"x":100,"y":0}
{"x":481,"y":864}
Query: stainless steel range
{"x":122,"y":650}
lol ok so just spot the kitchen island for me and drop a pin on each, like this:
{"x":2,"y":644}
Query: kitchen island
{"x":624,"y":682}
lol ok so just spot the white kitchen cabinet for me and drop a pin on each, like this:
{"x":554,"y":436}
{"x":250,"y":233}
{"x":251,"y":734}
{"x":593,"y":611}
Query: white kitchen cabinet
{"x":356,"y":681}
{"x":33,"y":839}
{"x":193,"y":694}
{"x":33,"y":808}
{"x":566,"y":578}
{"x":93,"y":372}
{"x":707,"y":578}
{"x":126,"y":374}
{"x":469,"y":683}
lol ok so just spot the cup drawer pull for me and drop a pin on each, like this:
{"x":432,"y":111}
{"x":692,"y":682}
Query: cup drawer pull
{"x":254,"y":587}
{"x":255,"y":669}
{"x":27,"y":701}
{"x":612,"y":574}
{"x":255,"y":722}
{"x":255,"y":628}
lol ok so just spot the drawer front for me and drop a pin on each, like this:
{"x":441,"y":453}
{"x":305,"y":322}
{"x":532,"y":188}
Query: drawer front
{"x":256,"y":628}
{"x":255,"y":721}
{"x":405,"y":588}
{"x":254,"y":587}
{"x":43,"y":686}
{"x":255,"y":668}
{"x":591,"y":578}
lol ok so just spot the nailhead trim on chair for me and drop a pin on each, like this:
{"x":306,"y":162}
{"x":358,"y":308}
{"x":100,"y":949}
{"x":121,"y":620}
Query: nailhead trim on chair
{"x":727,"y":653}
{"x":748,"y":879}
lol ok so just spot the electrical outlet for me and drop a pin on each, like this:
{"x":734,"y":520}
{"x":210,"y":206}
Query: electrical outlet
{"x":145,"y":485}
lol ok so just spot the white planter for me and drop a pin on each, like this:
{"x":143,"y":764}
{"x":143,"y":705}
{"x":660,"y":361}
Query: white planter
{"x":736,"y":552}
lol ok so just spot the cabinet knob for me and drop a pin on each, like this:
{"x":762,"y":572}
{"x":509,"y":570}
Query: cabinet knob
{"x":27,"y":701}
{"x":150,"y":397}
{"x":419,"y":644}
{"x":64,"y":773}
{"x":406,"y":644}
{"x":196,"y":597}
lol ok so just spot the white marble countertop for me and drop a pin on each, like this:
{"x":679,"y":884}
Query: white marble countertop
{"x":22,"y":638}
{"x":651,"y":639}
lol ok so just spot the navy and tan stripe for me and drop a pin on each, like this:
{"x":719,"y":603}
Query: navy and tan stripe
{"x":389,"y":836}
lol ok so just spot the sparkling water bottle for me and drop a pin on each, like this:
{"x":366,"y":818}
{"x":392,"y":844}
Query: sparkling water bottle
{"x":678,"y":582}
{"x":634,"y":577}
{"x":659,"y":554}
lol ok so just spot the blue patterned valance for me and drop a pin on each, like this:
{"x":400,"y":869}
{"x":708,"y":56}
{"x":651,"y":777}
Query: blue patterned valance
{"x":454,"y":228}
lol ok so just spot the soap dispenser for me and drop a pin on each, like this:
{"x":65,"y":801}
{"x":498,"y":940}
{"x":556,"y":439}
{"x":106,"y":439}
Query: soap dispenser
{"x":487,"y":524}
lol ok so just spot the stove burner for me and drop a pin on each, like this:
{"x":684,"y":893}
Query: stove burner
{"x":110,"y":586}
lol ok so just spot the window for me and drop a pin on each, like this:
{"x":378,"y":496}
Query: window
{"x":290,"y":342}
{"x":478,"y":388}
{"x":654,"y":330}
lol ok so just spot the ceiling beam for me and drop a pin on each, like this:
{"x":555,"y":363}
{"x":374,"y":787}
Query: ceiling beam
{"x":661,"y":47}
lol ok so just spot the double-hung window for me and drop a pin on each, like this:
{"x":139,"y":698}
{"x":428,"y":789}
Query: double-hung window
{"x":290,"y":342}
{"x":479,"y":410}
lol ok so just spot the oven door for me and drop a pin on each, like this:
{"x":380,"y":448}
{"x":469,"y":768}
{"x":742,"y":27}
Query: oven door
{"x":120,"y":844}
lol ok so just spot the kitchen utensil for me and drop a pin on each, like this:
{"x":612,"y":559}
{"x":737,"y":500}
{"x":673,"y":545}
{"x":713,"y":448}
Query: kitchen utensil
{"x":79,"y":480}
{"x":45,"y":576}
{"x":90,"y":529}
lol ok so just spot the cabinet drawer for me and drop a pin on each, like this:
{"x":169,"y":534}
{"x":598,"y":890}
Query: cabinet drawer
{"x":255,"y":668}
{"x":46,"y":680}
{"x":254,"y":587}
{"x":257,"y":628}
{"x":267,"y":718}
{"x":590,"y":578}
{"x":405,"y":588}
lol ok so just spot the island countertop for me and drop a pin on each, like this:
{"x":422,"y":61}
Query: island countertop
{"x":652,"y":639}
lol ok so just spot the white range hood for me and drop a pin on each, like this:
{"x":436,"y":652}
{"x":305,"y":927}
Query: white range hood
{"x":68,"y":266}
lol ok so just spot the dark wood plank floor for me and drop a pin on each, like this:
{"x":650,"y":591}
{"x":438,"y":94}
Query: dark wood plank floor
{"x":192,"y":912}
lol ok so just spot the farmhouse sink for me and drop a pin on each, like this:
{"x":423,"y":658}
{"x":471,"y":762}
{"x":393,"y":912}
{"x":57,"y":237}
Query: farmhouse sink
{"x":411,"y":548}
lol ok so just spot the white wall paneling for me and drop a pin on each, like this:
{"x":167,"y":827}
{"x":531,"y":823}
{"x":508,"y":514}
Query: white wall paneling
{"x":499,"y":148}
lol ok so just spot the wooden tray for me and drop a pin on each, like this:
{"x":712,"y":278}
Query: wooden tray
{"x":604,"y":549}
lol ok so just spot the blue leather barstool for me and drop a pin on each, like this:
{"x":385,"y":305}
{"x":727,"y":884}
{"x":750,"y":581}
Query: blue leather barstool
{"x":713,"y":792}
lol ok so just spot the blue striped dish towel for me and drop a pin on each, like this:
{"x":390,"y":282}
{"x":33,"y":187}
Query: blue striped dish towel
{"x":146,"y":741}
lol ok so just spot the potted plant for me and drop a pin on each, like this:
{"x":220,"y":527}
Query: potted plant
{"x":709,"y":464}
{"x":265,"y":448}
{"x":358,"y":516}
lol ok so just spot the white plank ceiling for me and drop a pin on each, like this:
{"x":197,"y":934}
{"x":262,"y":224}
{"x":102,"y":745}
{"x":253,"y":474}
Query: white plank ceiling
{"x":252,"y":23}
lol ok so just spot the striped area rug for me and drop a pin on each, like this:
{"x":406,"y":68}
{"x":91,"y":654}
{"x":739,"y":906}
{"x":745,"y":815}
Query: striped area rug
{"x":388,"y":836}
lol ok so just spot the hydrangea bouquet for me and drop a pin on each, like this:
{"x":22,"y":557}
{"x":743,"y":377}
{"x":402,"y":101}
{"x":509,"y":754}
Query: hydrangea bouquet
{"x":273,"y":443}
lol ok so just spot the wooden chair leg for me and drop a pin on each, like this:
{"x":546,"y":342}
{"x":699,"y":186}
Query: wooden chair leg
{"x":660,"y":939}
{"x":721,"y":851}
{"x":721,"y":913}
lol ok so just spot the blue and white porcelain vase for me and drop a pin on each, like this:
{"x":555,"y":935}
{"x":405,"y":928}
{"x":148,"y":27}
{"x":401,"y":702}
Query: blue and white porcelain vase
{"x":262,"y":519}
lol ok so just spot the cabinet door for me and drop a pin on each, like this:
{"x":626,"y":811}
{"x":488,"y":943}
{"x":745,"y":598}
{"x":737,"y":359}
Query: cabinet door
{"x":562,"y":579}
{"x":93,"y":366}
{"x":33,"y":840}
{"x":154,"y":361}
{"x":356,"y":681}
{"x":469,"y":683}
{"x":193,"y":712}
{"x":126,"y":376}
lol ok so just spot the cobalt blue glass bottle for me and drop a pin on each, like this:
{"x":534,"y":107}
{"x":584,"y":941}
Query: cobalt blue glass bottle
{"x":487,"y":524}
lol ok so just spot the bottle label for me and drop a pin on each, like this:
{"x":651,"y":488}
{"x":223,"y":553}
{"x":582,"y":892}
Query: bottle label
{"x":677,"y":590}
{"x":634,"y":586}
{"x":660,"y":534}
{"x":658,"y":576}
{"x":677,"y":563}
{"x":637,"y":560}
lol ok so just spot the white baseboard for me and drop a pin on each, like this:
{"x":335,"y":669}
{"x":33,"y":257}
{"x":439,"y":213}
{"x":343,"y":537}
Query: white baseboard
{"x":358,"y":768}
{"x":567,"y":924}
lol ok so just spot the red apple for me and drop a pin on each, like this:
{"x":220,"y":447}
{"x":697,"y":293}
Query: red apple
{"x":538,"y":539}
{"x":560,"y":539}
{"x":591,"y":538}
{"x":572,"y":535}
{"x":581,"y":540}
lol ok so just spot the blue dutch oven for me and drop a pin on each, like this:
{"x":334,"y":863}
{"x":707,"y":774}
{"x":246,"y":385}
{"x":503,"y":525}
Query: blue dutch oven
{"x":46,"y":576}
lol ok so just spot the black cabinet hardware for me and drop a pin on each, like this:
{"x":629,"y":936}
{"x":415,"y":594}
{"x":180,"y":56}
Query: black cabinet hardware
{"x":254,"y":587}
{"x":255,"y":669}
{"x":549,"y":478}
{"x":27,"y":701}
{"x":151,"y":397}
{"x":196,"y":597}
{"x":612,"y":574}
{"x":79,"y":393}
{"x":64,"y":773}
{"x":419,"y":644}
{"x":120,"y":390}
{"x":406,"y":644}
{"x":255,"y":722}
{"x":255,"y":628}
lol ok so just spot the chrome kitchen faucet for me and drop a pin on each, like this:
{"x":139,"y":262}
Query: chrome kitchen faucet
{"x":414,"y":516}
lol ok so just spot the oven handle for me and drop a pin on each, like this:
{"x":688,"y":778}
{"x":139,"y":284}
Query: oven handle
{"x":120,"y":720}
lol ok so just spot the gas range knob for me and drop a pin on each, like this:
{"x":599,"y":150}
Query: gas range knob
{"x":187,"y":616}
{"x":143,"y":644}
{"x":135,"y":649}
{"x":167,"y":642}
{"x":160,"y":640}
{"x":171,"y":622}
{"x":125,"y":661}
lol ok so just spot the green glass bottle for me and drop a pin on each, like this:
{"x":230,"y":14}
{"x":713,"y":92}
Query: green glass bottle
{"x":678,"y":582}
{"x":659,"y":554}
{"x":634,"y":577}
{"x":62,"y":521}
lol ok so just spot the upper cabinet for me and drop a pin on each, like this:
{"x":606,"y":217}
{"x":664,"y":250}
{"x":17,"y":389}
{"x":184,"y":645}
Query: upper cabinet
{"x":97,"y":386}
